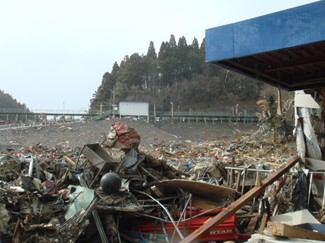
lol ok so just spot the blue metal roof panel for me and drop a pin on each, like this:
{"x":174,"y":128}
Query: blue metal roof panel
{"x":284,"y":29}
{"x":220,"y":42}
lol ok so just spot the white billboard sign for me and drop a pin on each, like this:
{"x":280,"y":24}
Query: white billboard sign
{"x":133,"y":108}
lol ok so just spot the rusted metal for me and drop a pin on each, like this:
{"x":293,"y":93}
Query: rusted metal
{"x":232,"y":208}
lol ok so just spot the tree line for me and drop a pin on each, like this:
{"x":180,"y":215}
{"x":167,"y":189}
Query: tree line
{"x":177,"y":73}
{"x":7,"y":101}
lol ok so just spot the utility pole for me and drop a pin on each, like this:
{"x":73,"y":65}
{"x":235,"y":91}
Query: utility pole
{"x":113,"y":105}
{"x":154,"y":113}
{"x":172,"y":111}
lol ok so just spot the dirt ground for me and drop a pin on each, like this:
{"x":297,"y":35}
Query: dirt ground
{"x":77,"y":134}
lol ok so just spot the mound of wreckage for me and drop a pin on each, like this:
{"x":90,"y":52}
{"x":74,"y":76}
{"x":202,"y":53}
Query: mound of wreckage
{"x":208,"y":192}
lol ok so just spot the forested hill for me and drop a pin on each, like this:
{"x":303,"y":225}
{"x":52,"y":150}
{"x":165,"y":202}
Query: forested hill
{"x":7,"y":101}
{"x":177,"y":73}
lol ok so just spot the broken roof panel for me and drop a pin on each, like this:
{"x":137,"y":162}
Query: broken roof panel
{"x":286,"y":48}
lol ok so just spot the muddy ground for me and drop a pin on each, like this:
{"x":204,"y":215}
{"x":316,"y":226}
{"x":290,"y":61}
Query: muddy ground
{"x":77,"y":134}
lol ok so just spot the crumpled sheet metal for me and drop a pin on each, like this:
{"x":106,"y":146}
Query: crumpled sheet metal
{"x":81,"y":198}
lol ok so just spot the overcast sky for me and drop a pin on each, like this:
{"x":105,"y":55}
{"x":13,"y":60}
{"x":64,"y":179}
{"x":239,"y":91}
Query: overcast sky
{"x":53,"y":54}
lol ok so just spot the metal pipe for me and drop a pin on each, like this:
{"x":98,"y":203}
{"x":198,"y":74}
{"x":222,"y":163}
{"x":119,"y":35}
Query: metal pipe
{"x":309,"y":189}
{"x":247,"y":169}
{"x":30,"y":168}
{"x":99,"y":226}
{"x":316,"y":172}
{"x":165,"y":232}
{"x":228,"y":177}
{"x":323,"y":206}
{"x":243,"y":185}
{"x":181,"y":216}
{"x":118,"y":232}
{"x":188,"y":219}
{"x":165,"y":209}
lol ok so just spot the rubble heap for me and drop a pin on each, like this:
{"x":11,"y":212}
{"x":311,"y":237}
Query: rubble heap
{"x":114,"y":192}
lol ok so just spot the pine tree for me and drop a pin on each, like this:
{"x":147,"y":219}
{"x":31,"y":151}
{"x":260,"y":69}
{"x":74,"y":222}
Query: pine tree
{"x":151,"y":51}
{"x":150,"y":63}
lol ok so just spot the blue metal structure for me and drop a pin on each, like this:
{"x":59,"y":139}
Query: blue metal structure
{"x":286,"y":48}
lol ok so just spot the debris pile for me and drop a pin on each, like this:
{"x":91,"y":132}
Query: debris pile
{"x":113,"y":192}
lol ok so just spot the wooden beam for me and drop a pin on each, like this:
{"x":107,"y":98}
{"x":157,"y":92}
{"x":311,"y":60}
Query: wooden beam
{"x":263,"y":223}
{"x":238,"y":204}
{"x":284,"y":230}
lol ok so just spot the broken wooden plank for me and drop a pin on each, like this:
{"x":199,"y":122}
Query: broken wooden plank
{"x":70,"y":161}
{"x":197,"y":188}
{"x":232,"y":208}
{"x":289,"y":231}
{"x":263,"y":223}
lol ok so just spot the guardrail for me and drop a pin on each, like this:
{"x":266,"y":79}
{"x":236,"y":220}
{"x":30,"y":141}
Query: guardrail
{"x":203,"y":114}
{"x":206,"y":119}
{"x":15,"y":115}
{"x":38,"y":111}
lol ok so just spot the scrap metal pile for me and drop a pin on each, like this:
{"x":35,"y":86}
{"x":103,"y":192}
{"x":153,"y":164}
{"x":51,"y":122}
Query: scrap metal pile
{"x":112,"y":192}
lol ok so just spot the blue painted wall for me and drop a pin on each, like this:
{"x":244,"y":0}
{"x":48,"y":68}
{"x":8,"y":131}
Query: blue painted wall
{"x":292,"y":27}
